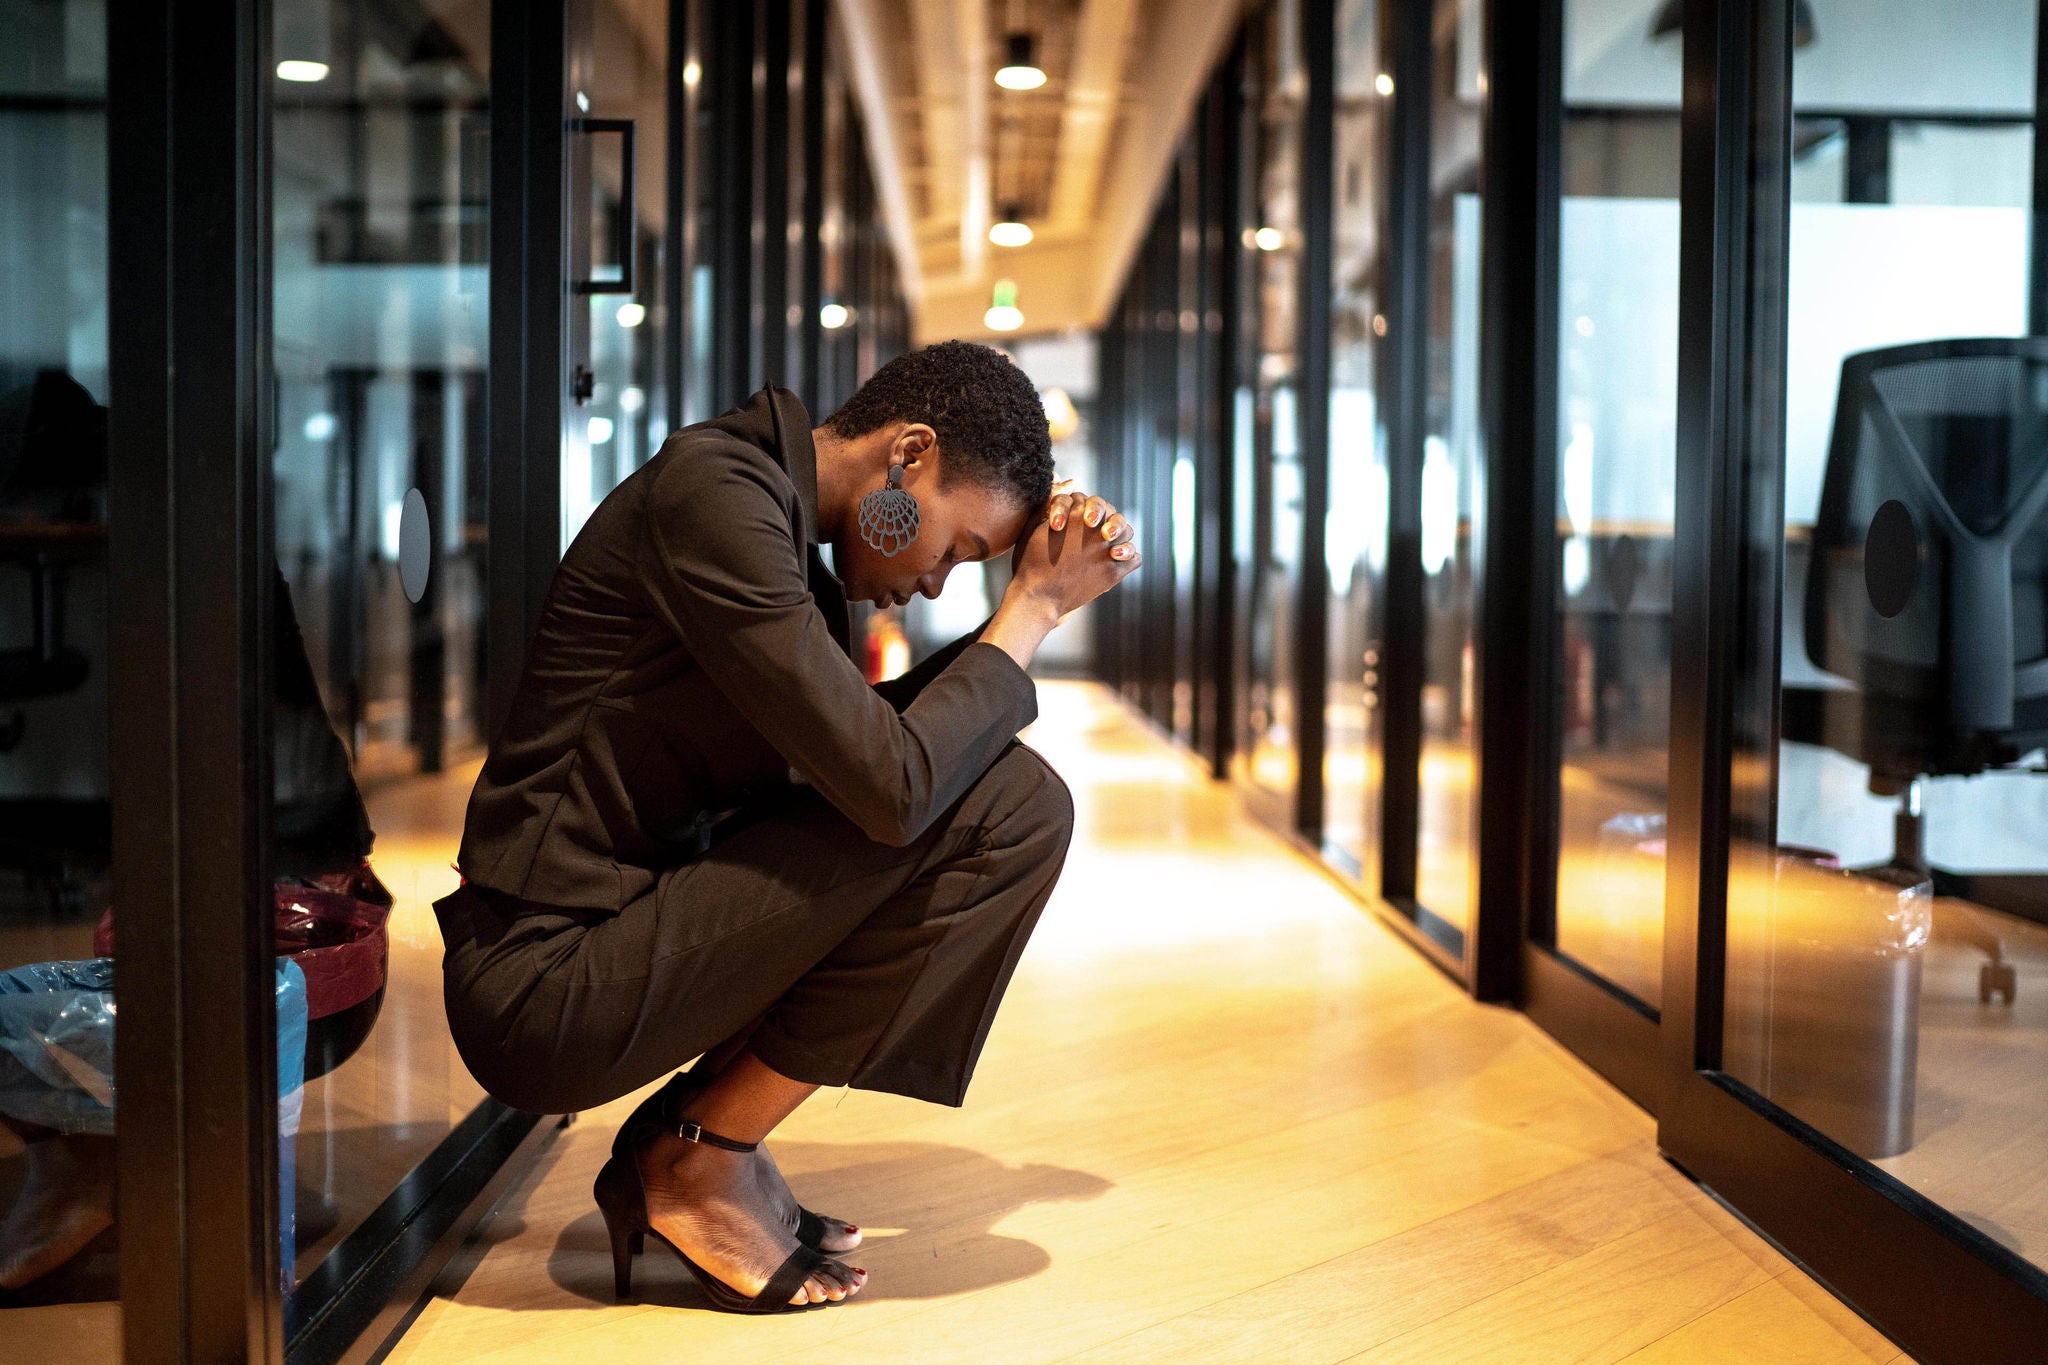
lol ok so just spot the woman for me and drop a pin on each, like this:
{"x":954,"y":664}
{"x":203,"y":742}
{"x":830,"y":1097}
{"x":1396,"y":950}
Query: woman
{"x":700,"y":831}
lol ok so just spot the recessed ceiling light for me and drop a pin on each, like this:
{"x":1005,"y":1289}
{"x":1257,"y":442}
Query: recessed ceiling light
{"x":1269,"y":239}
{"x":1003,"y":314}
{"x":833,"y":316}
{"x":1021,"y":71}
{"x":307,"y":72}
{"x":632,"y":314}
{"x":1012,"y":230}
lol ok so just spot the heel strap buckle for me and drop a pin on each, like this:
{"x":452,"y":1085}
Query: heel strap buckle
{"x":692,"y":1131}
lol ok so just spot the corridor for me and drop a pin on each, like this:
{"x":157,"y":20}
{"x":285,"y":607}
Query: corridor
{"x":1224,"y":1115}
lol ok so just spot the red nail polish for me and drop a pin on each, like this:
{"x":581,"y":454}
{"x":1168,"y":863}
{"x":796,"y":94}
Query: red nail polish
{"x":853,"y":1227}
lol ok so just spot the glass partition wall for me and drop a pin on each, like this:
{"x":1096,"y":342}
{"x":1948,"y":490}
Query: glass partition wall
{"x":248,"y":667}
{"x":58,"y":1160}
{"x":1683,"y":505}
{"x":1887,"y":922}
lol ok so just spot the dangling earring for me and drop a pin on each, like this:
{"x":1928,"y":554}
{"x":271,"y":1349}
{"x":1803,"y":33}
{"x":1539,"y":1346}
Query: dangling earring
{"x":889,"y":516}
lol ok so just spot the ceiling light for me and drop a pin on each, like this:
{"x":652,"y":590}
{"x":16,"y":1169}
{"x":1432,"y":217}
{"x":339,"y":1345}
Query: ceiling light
{"x":1003,"y":314}
{"x":600,"y":430}
{"x":632,"y":314}
{"x":833,"y":316}
{"x":307,"y":72}
{"x":1021,"y":71}
{"x":1384,"y":84}
{"x":1269,"y":239}
{"x":1012,"y":230}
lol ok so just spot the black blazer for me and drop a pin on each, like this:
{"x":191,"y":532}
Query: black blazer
{"x":693,"y":656}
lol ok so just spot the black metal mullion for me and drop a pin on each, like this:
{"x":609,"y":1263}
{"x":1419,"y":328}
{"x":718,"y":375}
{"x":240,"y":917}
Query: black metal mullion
{"x":1403,"y":386}
{"x":2037,"y":236}
{"x":811,"y":284}
{"x":1217,"y":588}
{"x":1516,"y":598}
{"x":1312,"y":585}
{"x":190,"y":716}
{"x":528,"y":296}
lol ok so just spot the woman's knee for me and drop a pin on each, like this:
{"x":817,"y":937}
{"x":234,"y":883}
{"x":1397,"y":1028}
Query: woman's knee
{"x":1034,"y":795}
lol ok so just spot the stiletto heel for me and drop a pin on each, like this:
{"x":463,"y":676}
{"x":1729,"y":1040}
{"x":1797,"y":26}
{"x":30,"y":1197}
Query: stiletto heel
{"x":636,"y":1243}
{"x":622,"y":1199}
{"x":658,"y":1114}
{"x":623,"y":1246}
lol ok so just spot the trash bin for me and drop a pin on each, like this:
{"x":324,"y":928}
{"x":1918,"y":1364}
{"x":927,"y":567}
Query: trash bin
{"x":57,"y":1022}
{"x":1842,"y":1021}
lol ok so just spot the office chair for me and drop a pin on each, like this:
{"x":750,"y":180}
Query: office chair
{"x":1928,"y":585}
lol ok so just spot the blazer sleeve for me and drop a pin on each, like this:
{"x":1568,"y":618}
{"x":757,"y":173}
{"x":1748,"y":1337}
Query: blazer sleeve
{"x":728,"y":576}
{"x":905,"y":688}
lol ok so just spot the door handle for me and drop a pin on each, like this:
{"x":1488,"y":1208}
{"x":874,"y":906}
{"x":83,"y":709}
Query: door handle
{"x":629,"y":222}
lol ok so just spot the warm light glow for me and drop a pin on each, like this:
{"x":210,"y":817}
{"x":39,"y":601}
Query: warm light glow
{"x":1003,"y":318}
{"x":1061,"y":420}
{"x":632,"y":314}
{"x":1019,"y":77}
{"x":1010,"y":233}
{"x":1269,"y":239}
{"x":1383,"y":83}
{"x":833,"y":316}
{"x":692,"y":73}
{"x":302,"y":71}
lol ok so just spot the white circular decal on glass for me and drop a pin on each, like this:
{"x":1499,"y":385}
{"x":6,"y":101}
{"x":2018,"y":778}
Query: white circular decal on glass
{"x":415,"y":546}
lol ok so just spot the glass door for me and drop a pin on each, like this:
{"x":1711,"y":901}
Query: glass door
{"x":1593,"y":964}
{"x":1871,"y":1019}
{"x":379,"y":204}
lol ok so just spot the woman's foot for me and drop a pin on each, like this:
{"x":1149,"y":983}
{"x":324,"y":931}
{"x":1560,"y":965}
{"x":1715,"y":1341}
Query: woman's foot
{"x":840,"y":1235}
{"x":713,"y":1206}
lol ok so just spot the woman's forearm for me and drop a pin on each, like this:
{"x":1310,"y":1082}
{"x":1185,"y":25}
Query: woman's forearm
{"x":1021,"y":624}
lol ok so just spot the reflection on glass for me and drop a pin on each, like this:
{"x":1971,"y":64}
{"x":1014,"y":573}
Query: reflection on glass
{"x":1272,"y":570}
{"x":1617,"y":442}
{"x":1355,"y":530}
{"x":57,"y":1243}
{"x":1452,"y":459}
{"x":1888,"y":916}
{"x":619,"y":412}
{"x":379,"y":271}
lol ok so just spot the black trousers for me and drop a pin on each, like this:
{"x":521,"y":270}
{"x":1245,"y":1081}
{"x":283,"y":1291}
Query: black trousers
{"x":835,"y":959}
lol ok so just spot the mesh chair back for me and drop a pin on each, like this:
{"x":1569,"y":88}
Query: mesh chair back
{"x":1928,"y":582}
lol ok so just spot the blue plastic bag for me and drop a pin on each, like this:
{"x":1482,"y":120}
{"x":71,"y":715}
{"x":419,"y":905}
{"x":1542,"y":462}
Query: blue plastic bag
{"x":57,"y":1058}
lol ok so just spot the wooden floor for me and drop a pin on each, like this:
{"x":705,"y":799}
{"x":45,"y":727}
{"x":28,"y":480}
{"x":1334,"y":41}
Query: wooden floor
{"x":1222,"y":1116}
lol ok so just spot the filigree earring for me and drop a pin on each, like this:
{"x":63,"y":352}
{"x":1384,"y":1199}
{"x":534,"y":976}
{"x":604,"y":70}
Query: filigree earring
{"x":889,"y":516}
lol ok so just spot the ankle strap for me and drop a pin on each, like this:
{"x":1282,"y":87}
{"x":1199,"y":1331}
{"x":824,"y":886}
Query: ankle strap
{"x":692,"y":1131}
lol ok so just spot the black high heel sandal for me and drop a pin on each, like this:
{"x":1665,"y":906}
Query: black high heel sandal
{"x":622,"y":1199}
{"x":660,"y":1113}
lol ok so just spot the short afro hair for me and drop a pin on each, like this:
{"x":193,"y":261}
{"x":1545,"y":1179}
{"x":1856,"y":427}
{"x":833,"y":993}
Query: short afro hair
{"x":989,"y":421}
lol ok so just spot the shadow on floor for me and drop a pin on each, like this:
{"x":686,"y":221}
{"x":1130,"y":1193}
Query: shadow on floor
{"x":883,"y":1187}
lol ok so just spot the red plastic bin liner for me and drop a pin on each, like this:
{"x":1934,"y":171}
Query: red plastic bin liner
{"x":341,"y":943}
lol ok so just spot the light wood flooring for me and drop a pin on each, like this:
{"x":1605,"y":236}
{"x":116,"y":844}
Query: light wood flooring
{"x":1223,"y":1115}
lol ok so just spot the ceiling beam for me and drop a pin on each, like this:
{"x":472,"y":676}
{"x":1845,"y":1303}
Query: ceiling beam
{"x":1102,"y":52}
{"x":977,"y":73}
{"x":1186,"y":39}
{"x":869,"y":34}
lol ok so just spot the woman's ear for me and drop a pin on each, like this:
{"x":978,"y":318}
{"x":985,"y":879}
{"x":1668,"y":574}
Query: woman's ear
{"x":915,"y":442}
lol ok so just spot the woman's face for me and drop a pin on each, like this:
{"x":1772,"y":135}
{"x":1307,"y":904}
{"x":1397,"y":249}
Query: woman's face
{"x":956,"y":524}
